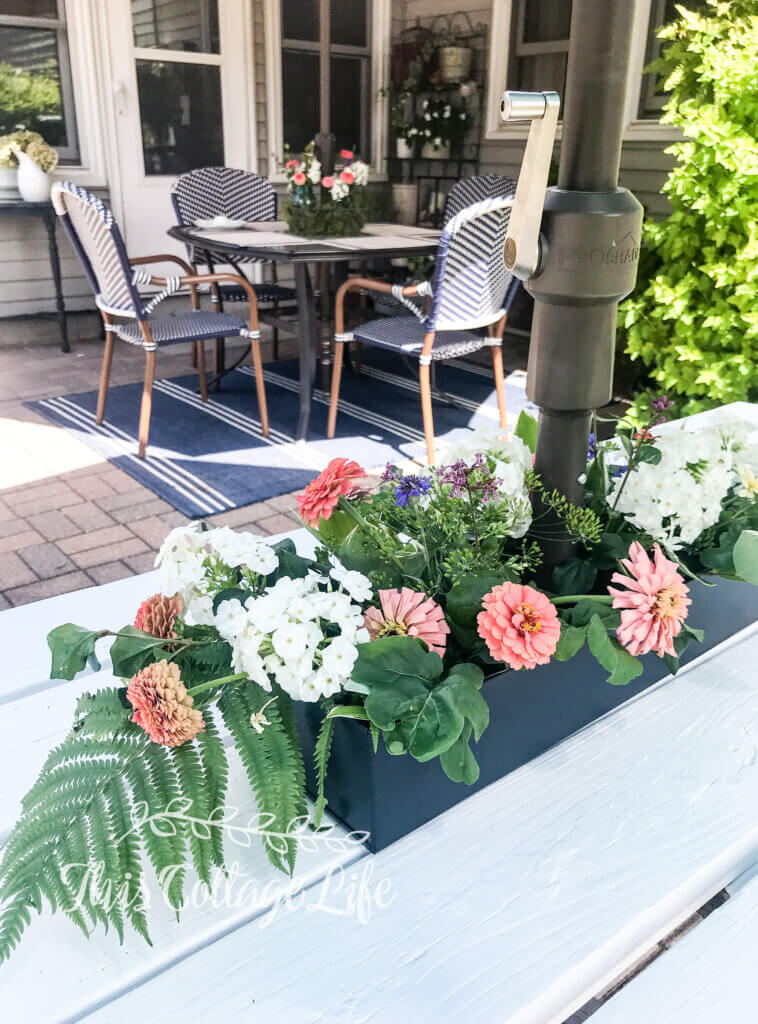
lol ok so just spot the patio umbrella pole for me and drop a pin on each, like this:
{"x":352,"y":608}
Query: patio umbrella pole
{"x":589,"y":252}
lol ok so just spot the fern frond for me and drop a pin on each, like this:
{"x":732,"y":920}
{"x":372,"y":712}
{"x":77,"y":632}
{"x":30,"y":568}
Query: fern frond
{"x":216,"y":774}
{"x":321,"y":756}
{"x":192,"y":783}
{"x":97,"y":813}
{"x":273,"y":765}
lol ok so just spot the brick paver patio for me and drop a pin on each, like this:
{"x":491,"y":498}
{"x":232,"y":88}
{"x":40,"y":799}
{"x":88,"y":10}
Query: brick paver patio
{"x":68,"y":518}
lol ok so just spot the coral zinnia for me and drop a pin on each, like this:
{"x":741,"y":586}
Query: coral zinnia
{"x":162,"y":706}
{"x":408,"y":613}
{"x":320,"y":497}
{"x":519,"y":625}
{"x":157,"y":615}
{"x":654,"y":604}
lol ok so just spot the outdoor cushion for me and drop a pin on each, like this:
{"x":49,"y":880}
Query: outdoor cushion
{"x":184,"y":327}
{"x":405,"y":334}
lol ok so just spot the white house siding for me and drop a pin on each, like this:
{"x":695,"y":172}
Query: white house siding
{"x":644,"y":165}
{"x":26,"y":281}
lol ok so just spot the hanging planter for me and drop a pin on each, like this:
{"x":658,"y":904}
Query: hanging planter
{"x":455,"y":63}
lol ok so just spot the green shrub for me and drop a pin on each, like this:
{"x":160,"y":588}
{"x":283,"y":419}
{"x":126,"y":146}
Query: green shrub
{"x":693,"y":319}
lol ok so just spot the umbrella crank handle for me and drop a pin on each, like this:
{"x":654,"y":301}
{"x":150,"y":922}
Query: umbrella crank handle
{"x":522,"y":246}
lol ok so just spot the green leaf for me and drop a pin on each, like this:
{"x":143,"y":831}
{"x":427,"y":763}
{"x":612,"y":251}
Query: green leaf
{"x":458,"y":762}
{"x":71,"y":647}
{"x":321,"y":756}
{"x":746,"y":556}
{"x":464,"y":600}
{"x":290,"y":563}
{"x":583,"y":611}
{"x":574,"y":576}
{"x":570,"y":643}
{"x":349,"y":711}
{"x":649,"y":453}
{"x":132,"y":650}
{"x":526,"y":430}
{"x":408,"y":701}
{"x":608,"y":550}
{"x":335,"y":529}
{"x":623,"y":667}
{"x":721,"y":557}
{"x":230,"y":594}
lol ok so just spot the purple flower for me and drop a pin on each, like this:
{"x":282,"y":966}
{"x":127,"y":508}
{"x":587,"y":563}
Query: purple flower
{"x":455,"y":475}
{"x":615,"y":471}
{"x":661,"y":404}
{"x":390,"y":472}
{"x":592,"y":447}
{"x":411,"y":487}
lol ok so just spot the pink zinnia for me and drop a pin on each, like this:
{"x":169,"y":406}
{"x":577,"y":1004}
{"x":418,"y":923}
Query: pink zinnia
{"x":162,"y":706}
{"x":157,"y":615}
{"x":347,"y":177}
{"x":653,"y":605}
{"x":408,"y":613}
{"x":291,"y":163}
{"x":328,"y":181}
{"x":519,"y":625}
{"x":346,"y":154}
{"x":299,"y":178}
{"x":320,"y":497}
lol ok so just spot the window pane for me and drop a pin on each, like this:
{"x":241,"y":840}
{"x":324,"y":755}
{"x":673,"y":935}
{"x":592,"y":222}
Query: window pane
{"x":546,"y":19}
{"x":300,"y":20}
{"x":180,"y":115}
{"x":300,"y":97}
{"x":30,"y":8}
{"x":346,"y":103}
{"x":30,"y":84}
{"x":543,"y":72}
{"x":348,"y":22}
{"x":176,"y":24}
{"x":652,"y":94}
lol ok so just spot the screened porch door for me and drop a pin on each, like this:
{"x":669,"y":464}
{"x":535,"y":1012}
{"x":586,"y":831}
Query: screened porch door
{"x":181,"y":74}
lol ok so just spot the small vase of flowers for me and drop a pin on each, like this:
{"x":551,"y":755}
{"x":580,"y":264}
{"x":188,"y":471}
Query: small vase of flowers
{"x":42,"y":157}
{"x":324,"y":205}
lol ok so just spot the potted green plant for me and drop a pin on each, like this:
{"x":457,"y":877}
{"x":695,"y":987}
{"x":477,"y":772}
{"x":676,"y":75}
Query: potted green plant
{"x":454,"y":57}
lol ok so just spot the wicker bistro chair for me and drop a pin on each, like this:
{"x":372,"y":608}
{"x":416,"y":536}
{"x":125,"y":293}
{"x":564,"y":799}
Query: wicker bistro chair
{"x":473,"y":190}
{"x":240,"y":195}
{"x":468,"y":301}
{"x":98,"y":243}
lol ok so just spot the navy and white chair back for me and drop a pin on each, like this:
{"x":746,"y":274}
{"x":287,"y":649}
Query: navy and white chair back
{"x":470,"y":278}
{"x":222,"y":191}
{"x":472,"y":190}
{"x":97,"y":240}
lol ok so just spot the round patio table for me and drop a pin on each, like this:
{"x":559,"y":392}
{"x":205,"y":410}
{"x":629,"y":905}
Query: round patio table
{"x":376,"y":243}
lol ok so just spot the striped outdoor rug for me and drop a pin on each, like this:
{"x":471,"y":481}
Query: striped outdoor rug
{"x":208,"y":458}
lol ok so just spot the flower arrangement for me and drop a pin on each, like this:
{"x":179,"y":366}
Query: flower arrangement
{"x":31,"y":143}
{"x":321,"y":205}
{"x":418,"y":589}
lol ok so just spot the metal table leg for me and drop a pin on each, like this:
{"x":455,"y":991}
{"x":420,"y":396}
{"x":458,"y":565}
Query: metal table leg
{"x":55,"y":266}
{"x":308,"y":344}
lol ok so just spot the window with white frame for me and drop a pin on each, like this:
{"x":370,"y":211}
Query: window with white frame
{"x":326,"y":72}
{"x":539,"y":45}
{"x":35,"y":74}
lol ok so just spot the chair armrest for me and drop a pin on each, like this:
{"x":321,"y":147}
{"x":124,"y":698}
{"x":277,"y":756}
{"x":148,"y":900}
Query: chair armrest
{"x":354,"y":284}
{"x":195,"y":279}
{"x":165,"y":257}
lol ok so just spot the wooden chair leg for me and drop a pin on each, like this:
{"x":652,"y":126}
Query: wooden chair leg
{"x":105,"y":374}
{"x":199,"y":350}
{"x":147,"y":403}
{"x":194,"y":354}
{"x":497,"y":369}
{"x":334,"y":397}
{"x":426,"y":410}
{"x":260,"y":386}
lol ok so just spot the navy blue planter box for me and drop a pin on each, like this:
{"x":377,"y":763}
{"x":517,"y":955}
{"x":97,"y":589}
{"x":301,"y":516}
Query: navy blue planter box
{"x":530,"y":711}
